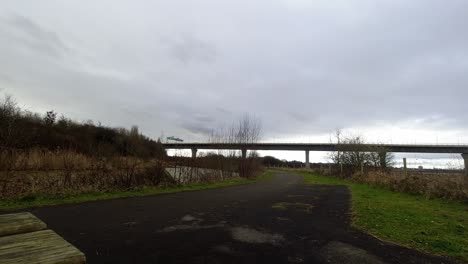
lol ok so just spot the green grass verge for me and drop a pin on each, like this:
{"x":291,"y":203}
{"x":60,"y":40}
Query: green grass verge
{"x":40,"y":200}
{"x":435,"y":226}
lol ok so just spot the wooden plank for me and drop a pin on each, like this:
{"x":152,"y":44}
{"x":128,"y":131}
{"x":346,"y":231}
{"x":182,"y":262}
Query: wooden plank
{"x":44,"y":247}
{"x":19,"y":223}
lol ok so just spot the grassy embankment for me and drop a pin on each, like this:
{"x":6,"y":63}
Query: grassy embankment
{"x":436,"y":226}
{"x":37,"y":201}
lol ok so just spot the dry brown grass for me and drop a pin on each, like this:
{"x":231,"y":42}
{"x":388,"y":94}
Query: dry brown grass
{"x":40,"y":172}
{"x":432,"y":185}
{"x":245,"y":168}
{"x":44,"y":160}
{"x":24,"y":173}
{"x":452,"y":186}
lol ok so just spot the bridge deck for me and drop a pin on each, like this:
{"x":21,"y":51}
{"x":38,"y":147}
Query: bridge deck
{"x":324,"y":147}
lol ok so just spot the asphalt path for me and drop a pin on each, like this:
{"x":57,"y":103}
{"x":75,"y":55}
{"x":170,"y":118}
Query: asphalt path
{"x":281,"y":220}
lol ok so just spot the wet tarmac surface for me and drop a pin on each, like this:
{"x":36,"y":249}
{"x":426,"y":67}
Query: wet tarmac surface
{"x":281,"y":220}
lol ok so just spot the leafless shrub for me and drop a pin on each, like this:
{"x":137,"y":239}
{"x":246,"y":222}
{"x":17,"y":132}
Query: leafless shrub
{"x":221,"y":164}
{"x":245,"y":131}
{"x":9,"y":115}
{"x":351,"y":153}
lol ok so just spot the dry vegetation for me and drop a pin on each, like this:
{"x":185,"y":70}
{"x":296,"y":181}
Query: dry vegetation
{"x":50,"y":155}
{"x":42,"y":172}
{"x":375,"y":167}
{"x":431,"y":185}
{"x":43,"y":154}
{"x":212,"y":167}
{"x":246,"y":131}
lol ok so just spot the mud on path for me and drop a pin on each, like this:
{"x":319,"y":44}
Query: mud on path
{"x":281,"y":220}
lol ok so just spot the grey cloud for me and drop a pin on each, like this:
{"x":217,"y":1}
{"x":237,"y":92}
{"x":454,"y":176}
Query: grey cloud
{"x":184,"y":68}
{"x":197,"y":128}
{"x":299,"y":117}
{"x":31,"y":35}
{"x":188,"y":48}
{"x":204,"y":119}
{"x":222,"y":110}
{"x":4,"y":78}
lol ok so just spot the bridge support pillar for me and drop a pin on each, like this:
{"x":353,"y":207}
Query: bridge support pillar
{"x":465,"y":158}
{"x":307,"y":163}
{"x":244,"y":153}
{"x":194,"y":153}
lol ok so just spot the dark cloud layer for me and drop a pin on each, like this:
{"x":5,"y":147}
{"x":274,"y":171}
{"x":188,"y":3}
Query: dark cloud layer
{"x":186,"y":67}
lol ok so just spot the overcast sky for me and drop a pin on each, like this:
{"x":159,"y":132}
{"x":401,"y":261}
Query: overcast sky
{"x":394,"y":71}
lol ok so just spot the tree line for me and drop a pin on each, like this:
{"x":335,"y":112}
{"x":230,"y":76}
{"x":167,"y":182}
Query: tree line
{"x":23,"y":130}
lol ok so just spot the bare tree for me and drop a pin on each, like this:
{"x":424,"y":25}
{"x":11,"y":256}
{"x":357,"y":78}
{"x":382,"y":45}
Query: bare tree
{"x":350,"y":152}
{"x":9,"y":114}
{"x":246,"y":130}
{"x":50,"y":117}
{"x":379,"y":157}
{"x":336,"y":156}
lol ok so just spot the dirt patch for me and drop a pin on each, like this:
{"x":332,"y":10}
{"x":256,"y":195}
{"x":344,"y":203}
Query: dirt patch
{"x":253,"y":236}
{"x":190,"y":218}
{"x":192,"y":227}
{"x":304,"y":207}
{"x":338,"y":252}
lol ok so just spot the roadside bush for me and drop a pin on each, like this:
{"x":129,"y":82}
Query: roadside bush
{"x":430,"y":185}
{"x":449,"y":186}
{"x":350,"y":153}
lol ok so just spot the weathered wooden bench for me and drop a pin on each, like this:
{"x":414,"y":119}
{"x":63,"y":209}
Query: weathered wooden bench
{"x":25,"y":239}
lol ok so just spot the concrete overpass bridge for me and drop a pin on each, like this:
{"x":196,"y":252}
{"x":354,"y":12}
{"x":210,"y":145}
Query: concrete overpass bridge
{"x":307,"y":147}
